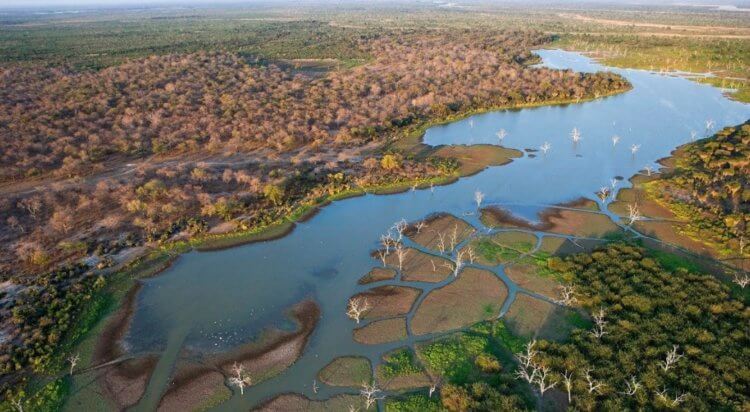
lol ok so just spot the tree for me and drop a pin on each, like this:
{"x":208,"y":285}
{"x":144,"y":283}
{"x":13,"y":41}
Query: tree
{"x":73,"y":360}
{"x":390,"y":162}
{"x":240,"y":379}
{"x":671,"y":359}
{"x":478,"y":197}
{"x":371,"y":394}
{"x":357,"y":307}
{"x":274,"y":193}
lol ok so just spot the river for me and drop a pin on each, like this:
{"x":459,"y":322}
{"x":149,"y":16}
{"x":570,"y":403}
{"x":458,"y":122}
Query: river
{"x":211,"y":301}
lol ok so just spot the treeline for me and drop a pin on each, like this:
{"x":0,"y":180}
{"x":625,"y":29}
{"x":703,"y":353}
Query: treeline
{"x":712,"y":178}
{"x":650,"y":311}
{"x":66,"y":122}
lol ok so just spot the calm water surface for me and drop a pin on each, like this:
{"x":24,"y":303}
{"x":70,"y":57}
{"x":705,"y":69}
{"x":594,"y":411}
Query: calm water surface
{"x":215,"y":300}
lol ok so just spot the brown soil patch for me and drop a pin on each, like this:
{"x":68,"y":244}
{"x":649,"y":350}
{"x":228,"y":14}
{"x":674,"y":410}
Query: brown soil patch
{"x":192,"y":385}
{"x":421,"y":267}
{"x":567,"y":222}
{"x":276,"y":351}
{"x":525,"y":276}
{"x":532,"y":317}
{"x":581,"y":203}
{"x":377,"y":275}
{"x":647,"y":207}
{"x":346,"y":371}
{"x":560,"y":246}
{"x":475,"y":158}
{"x":389,"y":301}
{"x":293,"y":402}
{"x":381,"y":331}
{"x":123,"y":383}
{"x":474,"y":296}
{"x":439,"y":223}
{"x":669,"y":232}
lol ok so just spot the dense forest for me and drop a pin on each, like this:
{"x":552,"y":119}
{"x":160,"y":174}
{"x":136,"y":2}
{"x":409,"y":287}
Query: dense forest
{"x":669,"y":337}
{"x":710,"y":184}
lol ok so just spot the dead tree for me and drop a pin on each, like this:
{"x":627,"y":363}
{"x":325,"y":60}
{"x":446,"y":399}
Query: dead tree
{"x":599,"y":323}
{"x":454,"y":237}
{"x":387,"y":240}
{"x":401,"y":254}
{"x":240,"y":379}
{"x":594,"y":385}
{"x":541,"y":378}
{"x":632,"y":386}
{"x":615,"y":140}
{"x":73,"y":360}
{"x":315,"y":386}
{"x":400,"y":227}
{"x":567,"y":296}
{"x":634,"y":214}
{"x":472,"y":256}
{"x":458,"y":263}
{"x":441,"y":242}
{"x":370,"y":393}
{"x":603,"y":193}
{"x":634,"y":148}
{"x":382,"y":255}
{"x":568,"y":381}
{"x":527,"y":367}
{"x":357,"y":306}
{"x":671,"y":359}
{"x":673,"y":402}
{"x":478,"y":198}
{"x":419,"y":226}
{"x":18,"y":404}
{"x":743,"y":280}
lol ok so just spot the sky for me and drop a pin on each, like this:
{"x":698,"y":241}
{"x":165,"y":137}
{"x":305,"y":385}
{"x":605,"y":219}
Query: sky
{"x":89,"y":4}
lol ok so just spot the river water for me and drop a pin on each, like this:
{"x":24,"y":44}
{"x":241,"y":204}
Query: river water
{"x":212,"y":301}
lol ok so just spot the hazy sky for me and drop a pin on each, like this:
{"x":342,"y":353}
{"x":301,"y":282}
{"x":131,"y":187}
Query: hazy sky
{"x":108,"y":3}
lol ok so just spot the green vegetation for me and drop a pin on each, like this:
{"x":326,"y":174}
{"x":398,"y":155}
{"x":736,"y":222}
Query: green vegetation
{"x":475,"y":367}
{"x":650,"y":310}
{"x":708,"y":189}
{"x":400,"y":362}
{"x":727,"y":59}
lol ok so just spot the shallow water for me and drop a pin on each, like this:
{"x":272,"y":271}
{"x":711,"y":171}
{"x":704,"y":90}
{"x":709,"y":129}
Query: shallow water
{"x":211,"y":301}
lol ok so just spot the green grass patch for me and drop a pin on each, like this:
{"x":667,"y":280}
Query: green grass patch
{"x":401,"y":362}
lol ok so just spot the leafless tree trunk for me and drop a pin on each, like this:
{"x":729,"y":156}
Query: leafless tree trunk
{"x":594,"y":385}
{"x":240,"y":380}
{"x":419,"y":226}
{"x":478,"y":198}
{"x":370,"y":393}
{"x":567,"y":296}
{"x":634,"y":214}
{"x":599,"y":324}
{"x":632,"y":386}
{"x":567,"y":379}
{"x":73,"y":360}
{"x":357,"y":307}
{"x":743,"y":280}
{"x":401,"y":254}
{"x":671,"y":359}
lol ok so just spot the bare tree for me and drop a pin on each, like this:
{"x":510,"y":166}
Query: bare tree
{"x":613,"y":183}
{"x":370,"y":393}
{"x":693,"y":135}
{"x":478,"y":197}
{"x":387,"y":240}
{"x":470,"y":252}
{"x":634,"y":214}
{"x":401,"y":254}
{"x":594,"y":385}
{"x":458,"y":263}
{"x":709,"y":126}
{"x":18,"y":403}
{"x":382,"y":255}
{"x":568,"y":381}
{"x":615,"y":140}
{"x":603,"y":193}
{"x":545,"y":147}
{"x":527,"y":367}
{"x":743,"y":280}
{"x":575,"y":135}
{"x":435,"y":383}
{"x":315,"y":386}
{"x":634,"y":148}
{"x":541,"y":378}
{"x":567,"y":295}
{"x":73,"y":360}
{"x":632,"y":386}
{"x":648,"y":169}
{"x":419,"y":226}
{"x":599,"y":323}
{"x":441,"y":242}
{"x":357,"y":307}
{"x":399,"y":227}
{"x":240,"y":379}
{"x":352,"y":408}
{"x":673,"y":402}
{"x":454,"y":237}
{"x":434,"y":269}
{"x":501,"y":134}
{"x":671,"y":359}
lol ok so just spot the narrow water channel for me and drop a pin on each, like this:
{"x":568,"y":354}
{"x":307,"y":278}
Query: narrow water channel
{"x":212,"y":301}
